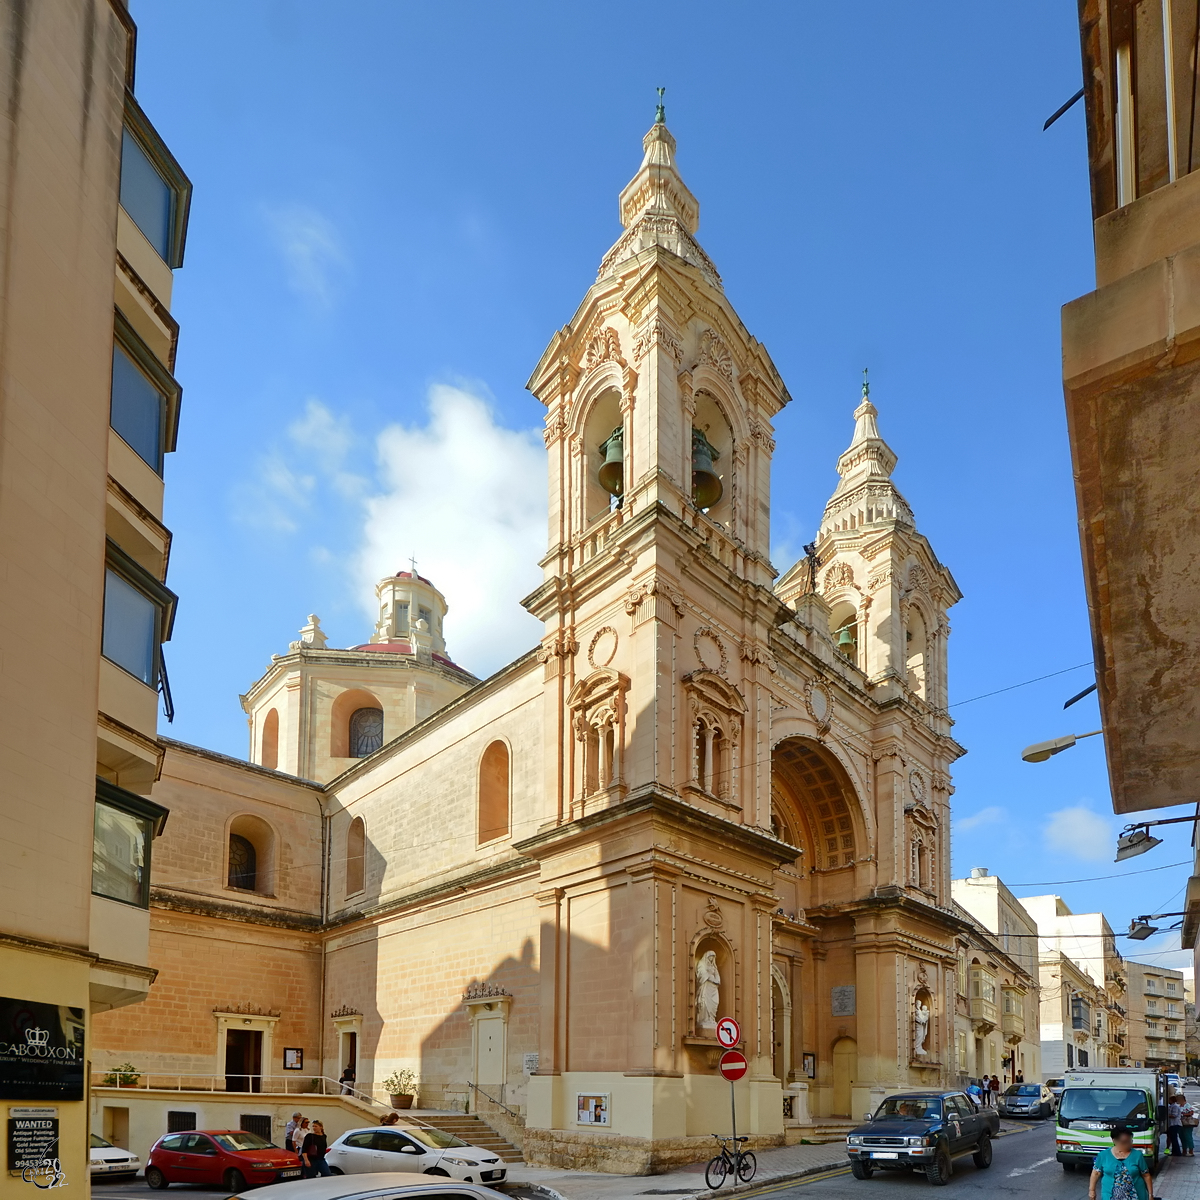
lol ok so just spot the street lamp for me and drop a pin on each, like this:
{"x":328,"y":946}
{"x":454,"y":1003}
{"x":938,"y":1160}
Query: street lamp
{"x":1040,"y":751}
{"x":1140,"y":928}
{"x":1135,"y":839}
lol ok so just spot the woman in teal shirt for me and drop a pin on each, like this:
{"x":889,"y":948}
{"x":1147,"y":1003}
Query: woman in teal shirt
{"x":1122,"y":1172}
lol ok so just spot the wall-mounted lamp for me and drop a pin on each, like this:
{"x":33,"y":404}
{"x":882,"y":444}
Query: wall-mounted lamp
{"x":1040,"y":751}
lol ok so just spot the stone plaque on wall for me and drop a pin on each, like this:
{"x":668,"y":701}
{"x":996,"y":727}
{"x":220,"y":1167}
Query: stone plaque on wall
{"x":842,"y":1002}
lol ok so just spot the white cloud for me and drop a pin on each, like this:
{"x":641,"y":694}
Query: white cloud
{"x":985,"y":816}
{"x":1081,"y":832}
{"x":311,"y":249}
{"x":330,"y":441}
{"x":467,"y":497}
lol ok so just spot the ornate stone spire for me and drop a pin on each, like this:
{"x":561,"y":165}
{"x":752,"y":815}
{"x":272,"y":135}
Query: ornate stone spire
{"x":658,"y":209}
{"x":865,"y":494}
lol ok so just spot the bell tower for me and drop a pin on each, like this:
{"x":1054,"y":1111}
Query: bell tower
{"x":658,"y":616}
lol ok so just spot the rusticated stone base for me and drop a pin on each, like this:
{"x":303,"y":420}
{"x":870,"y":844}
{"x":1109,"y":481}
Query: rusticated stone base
{"x":617,"y":1154}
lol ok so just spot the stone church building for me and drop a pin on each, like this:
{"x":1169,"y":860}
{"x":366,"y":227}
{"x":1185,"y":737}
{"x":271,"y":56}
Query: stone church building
{"x":707,"y":792}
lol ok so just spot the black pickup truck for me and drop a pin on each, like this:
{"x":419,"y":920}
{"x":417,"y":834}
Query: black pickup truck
{"x":922,"y":1131}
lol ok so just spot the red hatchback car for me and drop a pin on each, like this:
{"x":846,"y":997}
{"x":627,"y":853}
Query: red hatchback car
{"x":231,"y":1158}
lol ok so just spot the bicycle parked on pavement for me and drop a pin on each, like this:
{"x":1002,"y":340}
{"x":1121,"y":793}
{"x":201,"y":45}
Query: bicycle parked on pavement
{"x":736,"y":1162}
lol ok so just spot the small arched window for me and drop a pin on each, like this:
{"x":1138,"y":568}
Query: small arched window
{"x":270,"y":740}
{"x":915,"y":647}
{"x":356,"y":852}
{"x":243,"y":863}
{"x":493,"y":793}
{"x":366,"y":732}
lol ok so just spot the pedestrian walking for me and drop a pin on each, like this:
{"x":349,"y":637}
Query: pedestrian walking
{"x":1122,"y":1172}
{"x":976,"y":1094}
{"x":347,"y":1080}
{"x":994,"y":1091}
{"x":1020,"y":1077}
{"x":393,"y":1118}
{"x":312,"y":1152}
{"x":1175,"y":1125}
{"x":289,"y":1132}
{"x":1191,"y":1118}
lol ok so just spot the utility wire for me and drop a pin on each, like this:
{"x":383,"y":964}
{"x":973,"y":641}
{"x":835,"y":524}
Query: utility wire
{"x":1013,"y":687}
{"x":1098,"y":878}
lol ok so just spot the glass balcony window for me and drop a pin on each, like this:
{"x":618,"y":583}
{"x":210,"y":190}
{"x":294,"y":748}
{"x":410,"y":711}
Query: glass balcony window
{"x":136,"y":411}
{"x":124,"y":827}
{"x":138,"y":613}
{"x":155,"y":193}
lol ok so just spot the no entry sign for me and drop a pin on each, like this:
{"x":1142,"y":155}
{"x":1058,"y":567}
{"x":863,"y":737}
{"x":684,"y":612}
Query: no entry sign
{"x":729,"y":1032}
{"x":733,"y":1065}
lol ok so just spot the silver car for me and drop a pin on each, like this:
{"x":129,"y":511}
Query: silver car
{"x":106,"y":1161}
{"x":387,"y":1185}
{"x":413,"y":1148}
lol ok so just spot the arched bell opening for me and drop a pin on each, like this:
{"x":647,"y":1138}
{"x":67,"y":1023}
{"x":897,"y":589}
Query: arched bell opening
{"x":712,"y":466}
{"x":844,"y":627}
{"x":605,"y":456}
{"x":916,"y":650}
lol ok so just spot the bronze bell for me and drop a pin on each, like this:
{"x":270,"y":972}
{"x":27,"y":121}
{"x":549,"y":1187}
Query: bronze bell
{"x":846,"y":643}
{"x":707,"y":488}
{"x":612,"y":470}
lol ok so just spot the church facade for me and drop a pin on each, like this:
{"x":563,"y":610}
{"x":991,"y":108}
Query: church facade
{"x":707,"y":792}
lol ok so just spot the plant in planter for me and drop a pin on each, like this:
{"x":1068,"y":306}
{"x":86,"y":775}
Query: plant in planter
{"x":123,"y":1075}
{"x":401,"y":1087}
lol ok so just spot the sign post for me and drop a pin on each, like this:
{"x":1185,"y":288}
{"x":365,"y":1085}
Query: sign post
{"x":733,"y":1066}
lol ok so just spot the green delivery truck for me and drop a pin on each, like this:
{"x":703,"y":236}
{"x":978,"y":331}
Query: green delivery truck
{"x":1095,"y":1101}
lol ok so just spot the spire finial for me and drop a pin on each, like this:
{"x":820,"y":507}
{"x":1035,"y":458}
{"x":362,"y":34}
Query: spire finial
{"x":866,"y":385}
{"x":413,"y":560}
{"x":660,"y":114}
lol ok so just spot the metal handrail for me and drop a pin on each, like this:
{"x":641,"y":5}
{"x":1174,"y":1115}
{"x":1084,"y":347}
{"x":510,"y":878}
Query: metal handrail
{"x":516,"y":1116}
{"x":293,"y":1085}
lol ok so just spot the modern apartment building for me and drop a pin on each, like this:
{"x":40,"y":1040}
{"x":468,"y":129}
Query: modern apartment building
{"x":92,"y":220}
{"x":1157,"y":1017}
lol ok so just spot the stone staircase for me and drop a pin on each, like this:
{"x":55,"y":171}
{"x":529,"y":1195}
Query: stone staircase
{"x":470,"y":1129}
{"x":820,"y":1131}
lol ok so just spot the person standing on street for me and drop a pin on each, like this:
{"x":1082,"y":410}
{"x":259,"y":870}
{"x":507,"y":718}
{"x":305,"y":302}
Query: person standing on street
{"x":994,"y":1091}
{"x":1020,"y":1077}
{"x":1122,"y":1171}
{"x":1175,"y":1125}
{"x":1190,"y":1119}
{"x":312,"y":1152}
{"x":289,"y":1132}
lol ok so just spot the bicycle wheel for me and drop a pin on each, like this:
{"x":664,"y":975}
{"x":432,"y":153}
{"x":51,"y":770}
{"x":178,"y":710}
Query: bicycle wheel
{"x":747,"y":1165}
{"x":715,"y":1172}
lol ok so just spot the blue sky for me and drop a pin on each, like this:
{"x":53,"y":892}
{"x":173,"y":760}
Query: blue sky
{"x":396,"y":205}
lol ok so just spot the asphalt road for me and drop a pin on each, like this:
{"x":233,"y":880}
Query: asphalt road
{"x":1022,"y":1165}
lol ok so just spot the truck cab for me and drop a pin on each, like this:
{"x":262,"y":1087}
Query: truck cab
{"x":1095,"y":1102}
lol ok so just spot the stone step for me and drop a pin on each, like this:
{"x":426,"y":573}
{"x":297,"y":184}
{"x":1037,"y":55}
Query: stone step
{"x":471,"y":1129}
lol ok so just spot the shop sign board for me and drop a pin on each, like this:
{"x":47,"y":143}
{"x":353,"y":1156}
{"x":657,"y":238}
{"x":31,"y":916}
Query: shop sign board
{"x":41,"y":1051}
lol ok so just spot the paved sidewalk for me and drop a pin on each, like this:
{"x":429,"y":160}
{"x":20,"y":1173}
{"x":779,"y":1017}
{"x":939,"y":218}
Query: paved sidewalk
{"x":774,"y":1166}
{"x":1179,"y":1179}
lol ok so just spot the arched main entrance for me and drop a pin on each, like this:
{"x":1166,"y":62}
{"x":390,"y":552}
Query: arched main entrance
{"x":845,"y":1069}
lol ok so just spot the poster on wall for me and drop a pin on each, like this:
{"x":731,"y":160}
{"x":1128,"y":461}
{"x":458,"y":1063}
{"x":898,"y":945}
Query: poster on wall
{"x":591,"y":1108}
{"x":41,"y":1051}
{"x":293,"y":1059}
{"x":810,"y":1066}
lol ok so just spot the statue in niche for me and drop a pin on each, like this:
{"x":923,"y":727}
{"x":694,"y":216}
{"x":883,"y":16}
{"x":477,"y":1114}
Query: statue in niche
{"x":920,"y":1029}
{"x":708,"y":993}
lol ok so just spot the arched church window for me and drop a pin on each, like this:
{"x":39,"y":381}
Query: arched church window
{"x":243,"y":863}
{"x":915,"y":646}
{"x":493,"y":793}
{"x":270,"y":740}
{"x":356,"y":853}
{"x":366,"y":731}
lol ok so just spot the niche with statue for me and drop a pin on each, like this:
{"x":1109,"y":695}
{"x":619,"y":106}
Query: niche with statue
{"x":713,"y":993}
{"x":921,"y":1020}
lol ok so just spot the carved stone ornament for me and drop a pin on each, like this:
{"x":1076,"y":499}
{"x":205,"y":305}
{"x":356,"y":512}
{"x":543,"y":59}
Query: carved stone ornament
{"x":714,"y":918}
{"x":839,"y":575}
{"x":603,"y":647}
{"x":754,"y":652}
{"x":918,"y":581}
{"x":562,"y":646}
{"x":603,"y":346}
{"x":638,"y":594}
{"x":818,"y":699}
{"x":484,"y":991}
{"x":556,"y":426}
{"x":881,"y":578}
{"x":654,"y":333}
{"x":762,"y":437}
{"x":916,"y":786}
{"x":922,"y":975}
{"x":715,"y":354}
{"x":710,"y":650}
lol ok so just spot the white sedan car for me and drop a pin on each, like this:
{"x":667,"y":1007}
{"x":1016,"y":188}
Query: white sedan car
{"x":106,"y":1161}
{"x":413,"y":1148}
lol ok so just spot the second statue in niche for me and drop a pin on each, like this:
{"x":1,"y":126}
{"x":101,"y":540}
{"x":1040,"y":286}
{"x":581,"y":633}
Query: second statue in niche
{"x":708,"y":994}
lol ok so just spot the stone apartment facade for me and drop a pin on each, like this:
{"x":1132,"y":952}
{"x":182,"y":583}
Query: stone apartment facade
{"x":93,"y":219}
{"x":705,"y":792}
{"x":1157,"y":1020}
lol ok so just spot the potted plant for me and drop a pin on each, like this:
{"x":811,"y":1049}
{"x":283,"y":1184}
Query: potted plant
{"x":123,"y":1075}
{"x":401,"y":1087}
